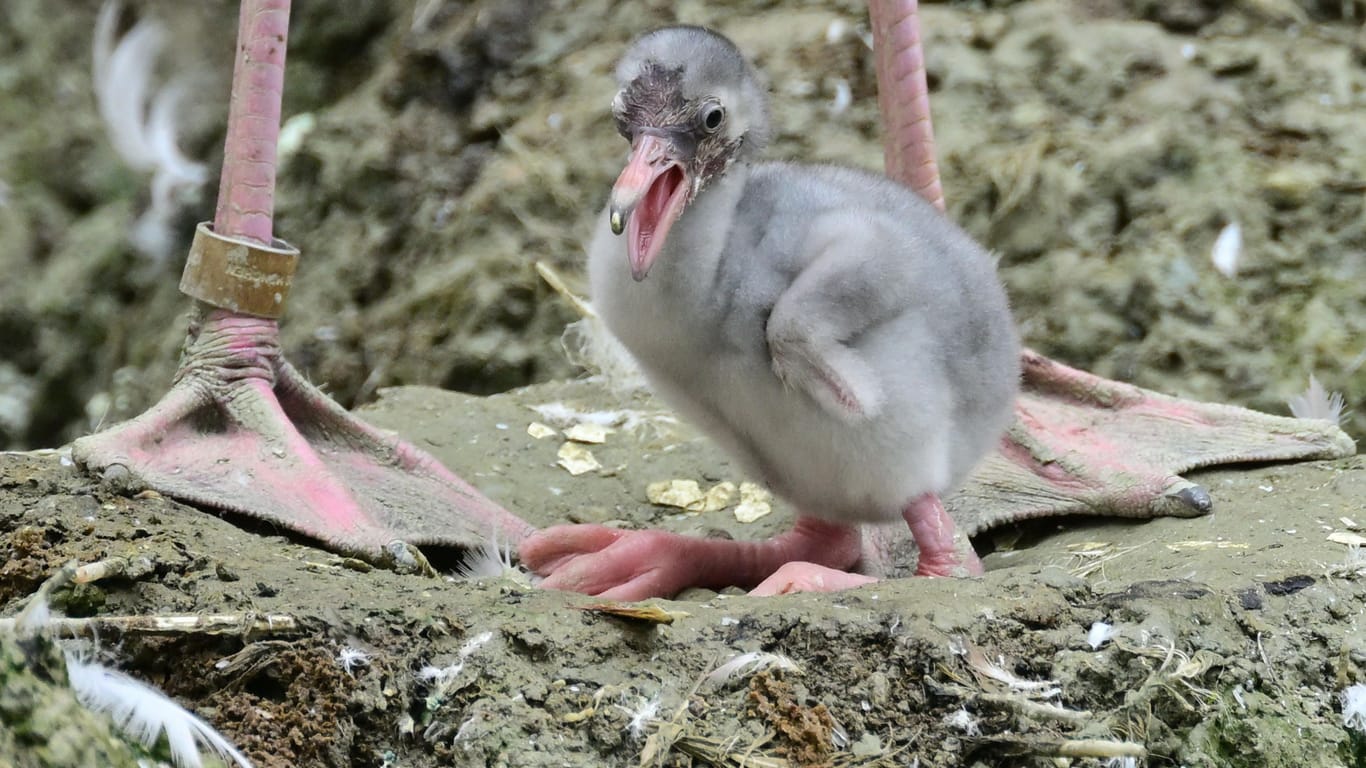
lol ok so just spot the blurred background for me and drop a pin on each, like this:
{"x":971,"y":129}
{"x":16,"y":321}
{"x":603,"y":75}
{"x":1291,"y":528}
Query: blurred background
{"x":1175,"y":189}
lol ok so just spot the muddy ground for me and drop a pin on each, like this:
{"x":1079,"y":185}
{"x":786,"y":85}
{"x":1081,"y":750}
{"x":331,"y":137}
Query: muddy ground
{"x":1234,"y":634}
{"x":1099,"y":147}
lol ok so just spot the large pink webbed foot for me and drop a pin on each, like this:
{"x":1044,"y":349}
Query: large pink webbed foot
{"x":1086,"y":445}
{"x":240,"y":429}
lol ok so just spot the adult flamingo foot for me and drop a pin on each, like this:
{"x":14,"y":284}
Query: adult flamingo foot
{"x":241,"y":430}
{"x":1082,"y":444}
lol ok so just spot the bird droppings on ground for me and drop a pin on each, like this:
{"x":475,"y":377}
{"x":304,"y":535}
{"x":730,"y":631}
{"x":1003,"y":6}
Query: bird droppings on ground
{"x":688,"y":494}
{"x":540,"y":431}
{"x":755,"y":502}
{"x":576,"y":459}
{"x":588,"y":432}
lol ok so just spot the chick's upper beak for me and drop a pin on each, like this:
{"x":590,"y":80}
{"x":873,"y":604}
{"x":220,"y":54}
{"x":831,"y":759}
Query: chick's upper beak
{"x":647,"y":199}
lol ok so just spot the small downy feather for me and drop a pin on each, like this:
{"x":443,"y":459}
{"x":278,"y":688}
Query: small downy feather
{"x":587,"y":342}
{"x":1354,"y":707}
{"x":145,"y":713}
{"x":1317,"y":403}
{"x":752,"y":663}
{"x":1228,"y":249}
{"x":140,"y":121}
{"x":491,"y":560}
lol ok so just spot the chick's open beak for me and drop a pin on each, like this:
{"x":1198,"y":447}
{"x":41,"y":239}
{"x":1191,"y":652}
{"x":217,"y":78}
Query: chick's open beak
{"x":647,"y":199}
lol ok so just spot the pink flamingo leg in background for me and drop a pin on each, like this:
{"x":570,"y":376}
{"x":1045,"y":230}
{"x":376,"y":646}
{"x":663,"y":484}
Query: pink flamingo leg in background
{"x":240,"y":429}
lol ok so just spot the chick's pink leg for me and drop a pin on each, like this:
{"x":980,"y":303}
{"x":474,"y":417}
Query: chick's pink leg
{"x":944,"y":550}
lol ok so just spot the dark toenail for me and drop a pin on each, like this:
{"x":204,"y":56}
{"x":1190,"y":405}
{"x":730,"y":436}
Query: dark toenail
{"x":1197,"y":498}
{"x":115,"y":474}
{"x":403,"y":557}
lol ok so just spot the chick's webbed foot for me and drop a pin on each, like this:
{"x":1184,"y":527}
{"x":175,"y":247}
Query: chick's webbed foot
{"x":634,"y":565}
{"x":241,"y":430}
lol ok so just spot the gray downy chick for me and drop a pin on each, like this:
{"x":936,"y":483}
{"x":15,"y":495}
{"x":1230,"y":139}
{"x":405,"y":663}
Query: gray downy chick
{"x":846,"y":343}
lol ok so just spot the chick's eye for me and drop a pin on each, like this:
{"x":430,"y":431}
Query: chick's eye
{"x":711,"y":117}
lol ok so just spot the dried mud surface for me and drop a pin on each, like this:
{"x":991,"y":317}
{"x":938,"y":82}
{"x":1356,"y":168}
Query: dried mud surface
{"x":1099,"y":147}
{"x":1234,"y":633}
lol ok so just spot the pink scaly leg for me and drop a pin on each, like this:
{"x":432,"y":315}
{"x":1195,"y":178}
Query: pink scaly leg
{"x":942,"y":550}
{"x":240,"y":429}
{"x":903,"y":98}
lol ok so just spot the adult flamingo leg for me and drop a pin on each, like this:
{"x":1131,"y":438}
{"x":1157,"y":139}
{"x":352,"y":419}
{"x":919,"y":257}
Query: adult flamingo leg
{"x":240,"y":429}
{"x":1080,"y":443}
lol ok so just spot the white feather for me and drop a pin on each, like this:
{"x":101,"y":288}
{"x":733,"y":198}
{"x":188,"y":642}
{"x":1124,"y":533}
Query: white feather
{"x":142,"y":125}
{"x":642,"y":715}
{"x":1317,"y":403}
{"x":1354,"y":707}
{"x":122,"y":75}
{"x":962,"y":720}
{"x":145,"y":713}
{"x":474,"y":644}
{"x":1228,"y":249}
{"x":626,"y":419}
{"x":844,"y":96}
{"x":433,"y":674}
{"x":491,"y":560}
{"x":752,"y":663}
{"x":588,"y":344}
{"x":35,"y":616}
{"x":352,"y":659}
{"x":1099,"y":634}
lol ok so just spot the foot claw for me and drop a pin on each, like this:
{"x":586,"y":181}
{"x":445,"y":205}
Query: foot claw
{"x":402,"y":557}
{"x":119,"y":479}
{"x":1184,"y":499}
